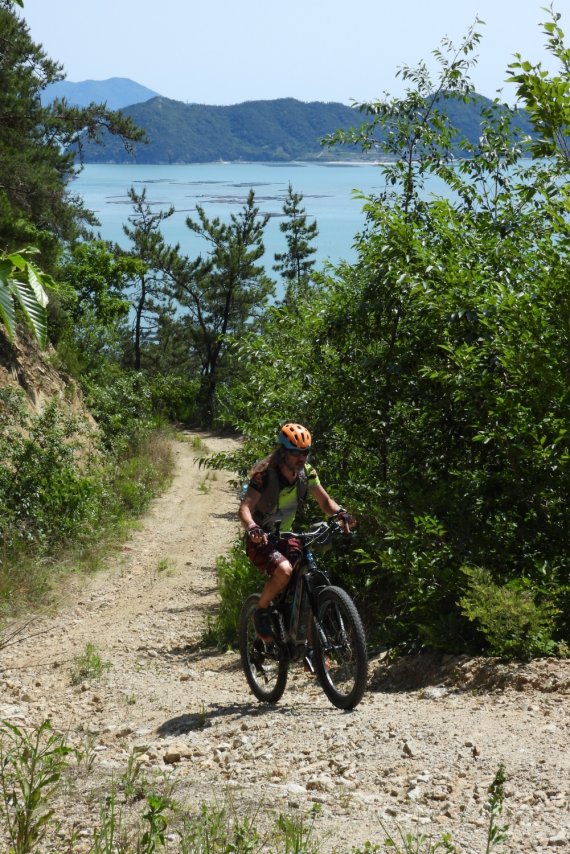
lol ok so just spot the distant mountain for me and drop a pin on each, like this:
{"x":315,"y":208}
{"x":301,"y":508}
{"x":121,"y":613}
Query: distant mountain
{"x":117,"y":92}
{"x":280,"y":130}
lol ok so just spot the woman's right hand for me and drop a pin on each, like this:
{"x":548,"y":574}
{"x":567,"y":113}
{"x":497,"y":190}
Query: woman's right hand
{"x":257,"y":534}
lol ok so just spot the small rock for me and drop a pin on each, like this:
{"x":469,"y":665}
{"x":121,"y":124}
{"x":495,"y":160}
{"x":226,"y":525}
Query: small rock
{"x":410,"y":748}
{"x":296,"y":789}
{"x":320,"y":784}
{"x":123,"y":732}
{"x":434,"y":692}
{"x":176,"y":753}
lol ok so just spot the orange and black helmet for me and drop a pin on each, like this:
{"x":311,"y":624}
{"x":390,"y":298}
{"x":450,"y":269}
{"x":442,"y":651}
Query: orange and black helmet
{"x":295,"y":437}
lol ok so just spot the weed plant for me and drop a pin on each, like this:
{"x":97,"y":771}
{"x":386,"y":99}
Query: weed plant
{"x":109,"y":836}
{"x":31,"y":766}
{"x":88,"y":665}
{"x":205,"y":486}
{"x":200,"y":447}
{"x":133,"y":781}
{"x":405,"y":842}
{"x":165,"y":566}
{"x":139,"y":814}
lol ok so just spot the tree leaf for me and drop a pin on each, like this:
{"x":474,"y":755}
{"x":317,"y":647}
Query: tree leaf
{"x":34,"y":311}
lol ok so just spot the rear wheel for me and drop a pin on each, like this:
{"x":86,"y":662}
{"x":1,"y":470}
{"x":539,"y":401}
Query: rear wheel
{"x":341,"y":660}
{"x":265,"y":671}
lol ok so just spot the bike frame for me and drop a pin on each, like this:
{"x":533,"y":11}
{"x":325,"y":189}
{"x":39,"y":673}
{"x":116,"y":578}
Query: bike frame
{"x":307,"y":582}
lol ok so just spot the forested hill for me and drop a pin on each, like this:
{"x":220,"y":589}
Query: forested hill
{"x":283,"y":129}
{"x":277,"y":130}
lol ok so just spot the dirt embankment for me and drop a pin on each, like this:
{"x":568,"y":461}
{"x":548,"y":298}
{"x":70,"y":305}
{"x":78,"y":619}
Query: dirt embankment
{"x":418,"y":753}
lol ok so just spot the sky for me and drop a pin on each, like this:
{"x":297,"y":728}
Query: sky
{"x":230,"y":51}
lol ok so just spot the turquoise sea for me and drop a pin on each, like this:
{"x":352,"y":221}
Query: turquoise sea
{"x":222,"y":188}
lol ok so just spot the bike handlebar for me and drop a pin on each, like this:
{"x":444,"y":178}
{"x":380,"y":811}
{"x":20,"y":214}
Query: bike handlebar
{"x":320,"y":533}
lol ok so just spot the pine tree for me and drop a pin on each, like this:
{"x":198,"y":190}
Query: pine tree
{"x":295,"y":264}
{"x":158,"y":267}
{"x":224,"y":293}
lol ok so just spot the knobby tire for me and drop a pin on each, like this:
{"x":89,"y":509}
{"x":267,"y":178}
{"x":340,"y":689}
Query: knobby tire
{"x":265,"y":674}
{"x":341,"y":659}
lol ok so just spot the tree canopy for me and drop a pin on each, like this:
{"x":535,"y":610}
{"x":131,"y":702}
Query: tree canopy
{"x":434,"y":375}
{"x":38,"y":145}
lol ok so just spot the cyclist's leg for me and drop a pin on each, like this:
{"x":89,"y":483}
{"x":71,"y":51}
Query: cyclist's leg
{"x":276,"y":582}
{"x":274,"y":563}
{"x":279,"y":575}
{"x":278,"y":569}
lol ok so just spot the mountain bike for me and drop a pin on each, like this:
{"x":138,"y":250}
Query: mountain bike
{"x":313,"y":621}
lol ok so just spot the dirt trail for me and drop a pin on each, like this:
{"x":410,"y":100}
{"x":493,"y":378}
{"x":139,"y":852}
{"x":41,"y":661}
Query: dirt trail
{"x":418,"y":753}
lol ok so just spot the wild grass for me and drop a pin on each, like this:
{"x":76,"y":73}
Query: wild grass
{"x":139,"y":811}
{"x":165,"y":566}
{"x":197,"y":443}
{"x":88,"y":665}
{"x":237,"y":578}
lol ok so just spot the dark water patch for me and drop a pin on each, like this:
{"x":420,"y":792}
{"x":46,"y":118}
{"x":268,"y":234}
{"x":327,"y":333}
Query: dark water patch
{"x":221,"y":200}
{"x":254,"y":184}
{"x":117,"y":200}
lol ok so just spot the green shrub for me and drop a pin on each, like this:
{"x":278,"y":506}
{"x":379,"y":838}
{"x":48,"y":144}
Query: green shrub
{"x":174,"y":397}
{"x":57,"y":496}
{"x":512,"y":621}
{"x":139,"y":478}
{"x":237,"y":579}
{"x":45,"y":494}
{"x":122,"y":407}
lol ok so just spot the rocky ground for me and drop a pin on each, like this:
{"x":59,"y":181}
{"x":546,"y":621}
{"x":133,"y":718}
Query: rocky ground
{"x":416,"y":756}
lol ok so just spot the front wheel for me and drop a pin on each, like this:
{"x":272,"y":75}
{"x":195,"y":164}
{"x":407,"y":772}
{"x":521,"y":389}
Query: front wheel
{"x":265,"y":670}
{"x":341,"y":660}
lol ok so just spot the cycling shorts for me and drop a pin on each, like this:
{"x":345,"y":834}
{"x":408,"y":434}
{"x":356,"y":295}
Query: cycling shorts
{"x":267,"y":556}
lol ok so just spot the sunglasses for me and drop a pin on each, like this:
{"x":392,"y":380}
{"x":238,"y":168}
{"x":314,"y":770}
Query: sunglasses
{"x":298,"y":453}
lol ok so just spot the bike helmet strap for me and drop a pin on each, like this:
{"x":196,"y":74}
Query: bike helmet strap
{"x":295,"y":436}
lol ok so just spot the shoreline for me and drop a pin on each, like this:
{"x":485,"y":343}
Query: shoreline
{"x":271,"y":163}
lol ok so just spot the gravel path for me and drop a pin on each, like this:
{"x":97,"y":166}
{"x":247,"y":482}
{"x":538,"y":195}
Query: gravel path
{"x":417,"y":755}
